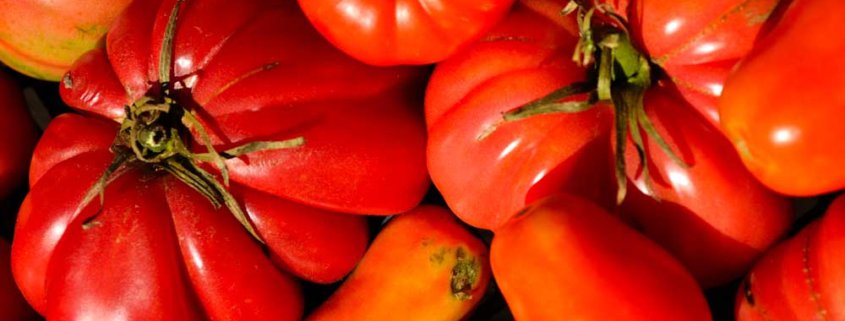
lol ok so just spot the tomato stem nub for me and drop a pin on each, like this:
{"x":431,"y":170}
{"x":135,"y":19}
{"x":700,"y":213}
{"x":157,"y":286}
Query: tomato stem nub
{"x":618,"y":74}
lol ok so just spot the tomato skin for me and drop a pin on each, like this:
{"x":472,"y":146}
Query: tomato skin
{"x":693,"y":211}
{"x":43,"y":38}
{"x":577,"y":261}
{"x":698,"y":43}
{"x":364,"y":154}
{"x":788,"y":146}
{"x":486,"y":181}
{"x":14,"y":306}
{"x":403,"y":32}
{"x":19,"y":136}
{"x":800,"y":279}
{"x":408,"y":271}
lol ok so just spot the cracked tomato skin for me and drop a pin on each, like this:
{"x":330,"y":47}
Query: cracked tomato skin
{"x":786,"y":128}
{"x":18,"y":135}
{"x":564,"y":257}
{"x":156,"y":249}
{"x":486,"y":177}
{"x":402,"y":32}
{"x":800,"y":279}
{"x":694,"y":211}
{"x":697,"y":43}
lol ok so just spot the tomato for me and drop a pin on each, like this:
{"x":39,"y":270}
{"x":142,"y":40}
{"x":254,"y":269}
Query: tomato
{"x":784,"y":126}
{"x":155,"y":248}
{"x":713,"y":215}
{"x":800,"y":279}
{"x":14,"y":306}
{"x":42,"y":38}
{"x":423,"y":261}
{"x":403,"y":32}
{"x":566,"y":258}
{"x":19,"y":136}
{"x":697,"y":43}
{"x":486,"y":176}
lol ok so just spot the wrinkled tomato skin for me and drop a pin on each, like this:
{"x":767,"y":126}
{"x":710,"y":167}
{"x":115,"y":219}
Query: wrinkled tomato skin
{"x":41,"y":39}
{"x":577,"y":260}
{"x":788,"y":130}
{"x":697,"y":43}
{"x":693,"y":209}
{"x":800,"y":279}
{"x":155,"y":248}
{"x":18,"y":135}
{"x":403,"y":32}
{"x":487,"y":176}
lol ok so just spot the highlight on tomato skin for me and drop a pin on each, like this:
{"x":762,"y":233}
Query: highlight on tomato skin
{"x":801,"y":278}
{"x":576,"y":261}
{"x":423,"y":265}
{"x":785,"y":127}
{"x":403,"y":32}
{"x":42,"y":39}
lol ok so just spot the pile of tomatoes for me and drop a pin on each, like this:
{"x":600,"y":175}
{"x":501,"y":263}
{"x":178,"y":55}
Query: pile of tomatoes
{"x":522,"y":160}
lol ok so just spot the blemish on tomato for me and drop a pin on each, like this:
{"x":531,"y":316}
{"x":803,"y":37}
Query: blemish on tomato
{"x":465,"y":274}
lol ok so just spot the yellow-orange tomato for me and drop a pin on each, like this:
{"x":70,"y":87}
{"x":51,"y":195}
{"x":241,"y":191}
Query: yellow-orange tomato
{"x":42,"y":38}
{"x":423,"y":266}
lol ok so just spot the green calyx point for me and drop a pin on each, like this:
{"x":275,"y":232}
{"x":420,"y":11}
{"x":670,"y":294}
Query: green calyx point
{"x":617,"y":74}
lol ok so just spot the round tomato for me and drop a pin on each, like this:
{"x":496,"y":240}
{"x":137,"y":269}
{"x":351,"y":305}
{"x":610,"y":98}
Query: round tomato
{"x":175,"y":77}
{"x":800,"y":279}
{"x":566,"y":258}
{"x":42,"y":38}
{"x":19,"y":135}
{"x":403,"y":32}
{"x":785,"y":126}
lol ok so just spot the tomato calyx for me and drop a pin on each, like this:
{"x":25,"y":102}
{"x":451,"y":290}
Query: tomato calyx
{"x":155,"y":135}
{"x":617,"y":74}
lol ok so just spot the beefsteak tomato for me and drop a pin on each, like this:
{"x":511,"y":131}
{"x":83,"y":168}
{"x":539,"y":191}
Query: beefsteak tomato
{"x":564,"y":258}
{"x":800,"y":279}
{"x":178,"y":81}
{"x":405,"y":31}
{"x":19,"y":135}
{"x":43,"y":38}
{"x":786,"y":127}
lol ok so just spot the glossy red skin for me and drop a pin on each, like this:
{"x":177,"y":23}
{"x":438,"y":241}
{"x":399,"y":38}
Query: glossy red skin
{"x":713,"y":215}
{"x":18,"y":135}
{"x":697,"y":43}
{"x":14,"y":307}
{"x":787,"y":131}
{"x":487,"y":181}
{"x":565,"y":257}
{"x":800,"y":279}
{"x":402,"y":32}
{"x":363,"y":155}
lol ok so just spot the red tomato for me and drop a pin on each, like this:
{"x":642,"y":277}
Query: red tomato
{"x":14,"y":307}
{"x":800,"y":279}
{"x":566,"y":258}
{"x":156,"y":249}
{"x":42,"y":38}
{"x":487,"y":179}
{"x":712,"y":214}
{"x":18,"y":136}
{"x":697,"y":43}
{"x":403,"y":32}
{"x":785,"y":126}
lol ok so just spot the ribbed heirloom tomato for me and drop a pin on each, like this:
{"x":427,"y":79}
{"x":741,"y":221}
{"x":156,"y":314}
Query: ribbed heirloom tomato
{"x":488,"y":168}
{"x":397,"y":32}
{"x":185,"y":95}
